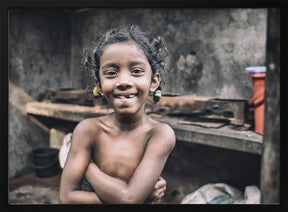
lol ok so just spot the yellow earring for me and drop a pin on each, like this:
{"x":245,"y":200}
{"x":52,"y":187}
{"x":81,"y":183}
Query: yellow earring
{"x":95,"y":92}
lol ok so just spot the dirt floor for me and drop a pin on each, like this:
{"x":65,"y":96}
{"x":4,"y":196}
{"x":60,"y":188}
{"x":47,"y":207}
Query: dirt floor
{"x":30,"y":189}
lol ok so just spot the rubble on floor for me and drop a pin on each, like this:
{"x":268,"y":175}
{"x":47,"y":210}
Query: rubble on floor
{"x":33,"y":195}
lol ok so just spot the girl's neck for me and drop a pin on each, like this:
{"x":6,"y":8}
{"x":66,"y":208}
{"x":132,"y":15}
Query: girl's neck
{"x":129,"y":122}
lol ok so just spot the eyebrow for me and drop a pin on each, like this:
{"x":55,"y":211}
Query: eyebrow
{"x":137,"y":63}
{"x":113,"y":65}
{"x":110,"y":65}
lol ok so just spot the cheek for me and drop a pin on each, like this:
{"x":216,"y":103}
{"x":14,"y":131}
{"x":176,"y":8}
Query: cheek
{"x":145,"y":85}
{"x":106,"y":88}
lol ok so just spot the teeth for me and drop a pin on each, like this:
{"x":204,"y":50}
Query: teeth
{"x":128,"y":96}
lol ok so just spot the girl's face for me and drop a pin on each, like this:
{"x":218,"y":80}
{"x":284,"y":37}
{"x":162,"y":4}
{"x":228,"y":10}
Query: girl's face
{"x":125,"y":77}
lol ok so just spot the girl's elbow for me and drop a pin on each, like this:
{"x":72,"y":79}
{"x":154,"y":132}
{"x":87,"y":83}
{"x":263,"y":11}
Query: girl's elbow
{"x":130,"y":198}
{"x":63,"y":198}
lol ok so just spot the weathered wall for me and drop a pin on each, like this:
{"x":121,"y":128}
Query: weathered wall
{"x":45,"y":51}
{"x":225,"y":41}
{"x":39,"y":58}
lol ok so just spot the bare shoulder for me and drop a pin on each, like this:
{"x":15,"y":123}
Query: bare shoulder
{"x":85,"y":125}
{"x":164,"y":128}
{"x":164,"y":135}
{"x":87,"y":129}
{"x":89,"y":124}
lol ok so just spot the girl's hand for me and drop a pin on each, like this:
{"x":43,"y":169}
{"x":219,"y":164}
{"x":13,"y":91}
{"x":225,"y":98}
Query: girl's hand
{"x":158,"y":192}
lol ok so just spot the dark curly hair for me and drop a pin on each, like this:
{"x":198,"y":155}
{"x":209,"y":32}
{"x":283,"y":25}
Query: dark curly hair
{"x":155,"y":48}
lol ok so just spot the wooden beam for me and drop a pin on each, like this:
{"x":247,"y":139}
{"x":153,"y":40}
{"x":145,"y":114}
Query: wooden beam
{"x":270,"y":166}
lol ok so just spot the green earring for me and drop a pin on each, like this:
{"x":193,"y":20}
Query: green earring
{"x":157,"y":95}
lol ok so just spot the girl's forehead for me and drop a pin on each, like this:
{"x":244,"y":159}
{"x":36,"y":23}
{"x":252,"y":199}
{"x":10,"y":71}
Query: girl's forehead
{"x":122,"y":49}
{"x":127,"y":44}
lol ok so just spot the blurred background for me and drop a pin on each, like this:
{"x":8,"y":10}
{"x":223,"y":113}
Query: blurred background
{"x":209,"y":50}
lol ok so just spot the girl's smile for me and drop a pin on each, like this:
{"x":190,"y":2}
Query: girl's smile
{"x":125,"y":95}
{"x":125,"y":98}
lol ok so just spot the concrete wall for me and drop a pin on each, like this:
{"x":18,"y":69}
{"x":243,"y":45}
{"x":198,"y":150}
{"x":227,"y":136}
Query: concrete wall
{"x":225,"y":41}
{"x":39,"y":58}
{"x":45,"y":51}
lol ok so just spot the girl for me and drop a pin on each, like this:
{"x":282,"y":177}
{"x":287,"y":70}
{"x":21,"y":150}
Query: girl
{"x":128,"y":148}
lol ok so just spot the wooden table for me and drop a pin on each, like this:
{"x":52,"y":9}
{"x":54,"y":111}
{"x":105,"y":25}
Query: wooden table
{"x":224,"y":137}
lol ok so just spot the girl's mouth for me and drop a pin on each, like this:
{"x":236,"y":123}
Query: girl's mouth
{"x":124,"y":96}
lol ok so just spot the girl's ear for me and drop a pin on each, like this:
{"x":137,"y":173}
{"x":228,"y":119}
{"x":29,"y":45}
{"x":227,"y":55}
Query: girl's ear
{"x":97,"y":84}
{"x":155,"y":83}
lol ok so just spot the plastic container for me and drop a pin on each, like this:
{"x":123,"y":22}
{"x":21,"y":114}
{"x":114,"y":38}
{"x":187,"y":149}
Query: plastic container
{"x":45,"y":161}
{"x":258,"y":74}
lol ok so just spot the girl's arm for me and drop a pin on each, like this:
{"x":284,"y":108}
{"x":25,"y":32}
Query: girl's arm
{"x":76,"y":164}
{"x":113,"y":190}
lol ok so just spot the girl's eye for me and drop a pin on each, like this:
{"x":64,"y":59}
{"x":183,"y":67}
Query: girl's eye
{"x":110,"y":74}
{"x":137,"y":72}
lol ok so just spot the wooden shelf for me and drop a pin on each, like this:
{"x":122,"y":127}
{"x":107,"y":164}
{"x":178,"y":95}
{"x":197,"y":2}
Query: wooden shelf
{"x":67,"y":112}
{"x":224,"y":137}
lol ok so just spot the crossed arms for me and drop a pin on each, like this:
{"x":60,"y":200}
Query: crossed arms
{"x":109,"y":189}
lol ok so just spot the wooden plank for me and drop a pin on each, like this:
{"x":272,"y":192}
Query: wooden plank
{"x":70,"y":95}
{"x":202,"y":124}
{"x":225,"y":137}
{"x":217,"y":139}
{"x":233,"y":110}
{"x":68,"y":112}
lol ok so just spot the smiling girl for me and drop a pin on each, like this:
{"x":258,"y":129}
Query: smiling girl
{"x":122,"y":154}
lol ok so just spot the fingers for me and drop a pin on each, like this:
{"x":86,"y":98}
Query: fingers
{"x":160,"y":183}
{"x":158,"y":197}
{"x":159,"y":194}
{"x":159,"y":190}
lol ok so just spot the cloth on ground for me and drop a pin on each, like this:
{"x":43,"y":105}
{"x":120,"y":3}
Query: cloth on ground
{"x":64,"y":150}
{"x":63,"y":153}
{"x":221,"y":193}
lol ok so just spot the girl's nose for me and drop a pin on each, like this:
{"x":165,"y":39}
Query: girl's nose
{"x":124,"y":84}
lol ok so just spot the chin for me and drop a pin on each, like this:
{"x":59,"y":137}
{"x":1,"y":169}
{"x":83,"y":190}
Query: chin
{"x":128,"y":111}
{"x":128,"y":107}
{"x":125,"y":111}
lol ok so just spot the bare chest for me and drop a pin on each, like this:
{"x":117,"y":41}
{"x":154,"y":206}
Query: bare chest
{"x":119,"y":156}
